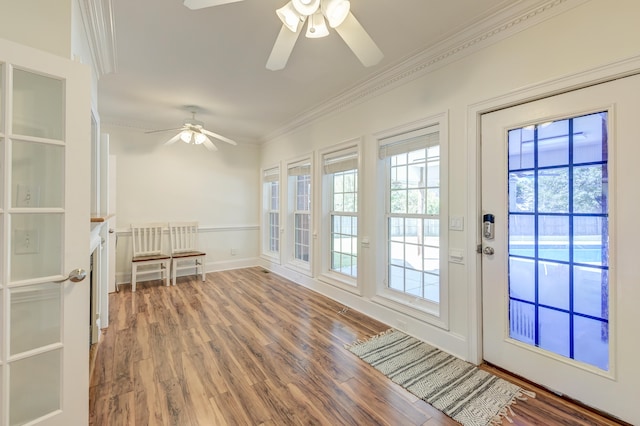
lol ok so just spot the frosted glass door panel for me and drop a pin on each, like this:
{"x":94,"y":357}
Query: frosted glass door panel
{"x":2,"y":129}
{"x":38,"y":105}
{"x":34,"y":387}
{"x":37,"y":175}
{"x":34,"y":316}
{"x":2,"y":142}
{"x":36,"y":245}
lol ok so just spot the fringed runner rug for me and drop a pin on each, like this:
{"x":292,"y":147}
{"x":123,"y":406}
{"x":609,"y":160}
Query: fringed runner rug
{"x":459,"y":389}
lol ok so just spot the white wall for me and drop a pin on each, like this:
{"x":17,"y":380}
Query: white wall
{"x":44,"y":25}
{"x":183,"y":182}
{"x":587,"y":36}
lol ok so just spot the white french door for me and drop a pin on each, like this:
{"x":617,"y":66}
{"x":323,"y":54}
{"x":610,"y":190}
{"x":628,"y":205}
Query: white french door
{"x":44,"y":232}
{"x":559,"y":271}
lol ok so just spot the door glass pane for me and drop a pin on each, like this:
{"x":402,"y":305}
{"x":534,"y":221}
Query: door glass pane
{"x":2,"y":142}
{"x":553,"y":284}
{"x":553,"y":331}
{"x":38,"y":105}
{"x":521,"y":148}
{"x":592,"y":149}
{"x":551,"y":143}
{"x":522,"y":278}
{"x":34,"y":317}
{"x":36,"y":245}
{"x":559,"y":237}
{"x":2,"y":129}
{"x":591,"y":341}
{"x":34,"y":387}
{"x":37,"y":171}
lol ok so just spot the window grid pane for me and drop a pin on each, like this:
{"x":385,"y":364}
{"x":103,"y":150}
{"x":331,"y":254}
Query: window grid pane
{"x":302,"y":218}
{"x":344,"y":223}
{"x":272,"y":236}
{"x":413,"y":223}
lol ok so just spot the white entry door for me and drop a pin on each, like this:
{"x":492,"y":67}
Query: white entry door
{"x":44,"y":233}
{"x":560,"y":275}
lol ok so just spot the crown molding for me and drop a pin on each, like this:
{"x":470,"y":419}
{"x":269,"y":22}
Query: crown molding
{"x":506,"y":23}
{"x":97,"y":17}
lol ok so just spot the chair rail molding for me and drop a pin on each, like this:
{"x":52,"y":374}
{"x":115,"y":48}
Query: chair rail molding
{"x":203,"y":229}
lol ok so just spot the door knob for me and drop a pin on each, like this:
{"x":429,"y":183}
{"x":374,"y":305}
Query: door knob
{"x":75,"y":276}
{"x":488,"y":250}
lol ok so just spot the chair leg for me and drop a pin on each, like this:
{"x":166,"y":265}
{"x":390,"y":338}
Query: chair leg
{"x":166,"y":268}
{"x":134,"y":271}
{"x":202,"y":268}
{"x":174,"y":270}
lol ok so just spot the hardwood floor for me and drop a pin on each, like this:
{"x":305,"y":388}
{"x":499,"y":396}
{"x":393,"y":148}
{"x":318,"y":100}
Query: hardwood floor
{"x":251,"y":348}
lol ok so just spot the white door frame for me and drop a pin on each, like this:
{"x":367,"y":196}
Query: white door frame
{"x":563,"y":84}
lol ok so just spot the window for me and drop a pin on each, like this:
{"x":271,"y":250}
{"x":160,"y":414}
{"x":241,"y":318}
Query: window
{"x":271,"y":195}
{"x":300,"y":210}
{"x":414,"y":216}
{"x":559,"y":237}
{"x":340,"y":228}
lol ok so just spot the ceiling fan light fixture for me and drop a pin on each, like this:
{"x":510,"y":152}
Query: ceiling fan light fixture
{"x":306,"y":7}
{"x":289,"y":16}
{"x":199,"y":138}
{"x":336,"y":11}
{"x":186,"y":135}
{"x":317,"y":27}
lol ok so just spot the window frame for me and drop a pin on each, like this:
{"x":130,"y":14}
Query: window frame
{"x":270,"y":175}
{"x":327,"y":274}
{"x":388,"y":142}
{"x":296,"y":166}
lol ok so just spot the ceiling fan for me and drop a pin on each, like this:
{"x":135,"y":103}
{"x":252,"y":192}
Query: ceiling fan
{"x":193,"y":131}
{"x":316,"y":12}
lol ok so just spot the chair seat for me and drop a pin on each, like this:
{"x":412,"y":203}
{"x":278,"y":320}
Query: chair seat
{"x":150,"y":257}
{"x":184,"y":248}
{"x":146,"y":250}
{"x":189,"y":254}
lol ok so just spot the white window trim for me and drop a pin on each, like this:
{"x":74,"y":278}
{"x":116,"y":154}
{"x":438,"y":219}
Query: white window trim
{"x":288,"y":205}
{"x":326,"y":275}
{"x":265,"y":253}
{"x":424,"y":310}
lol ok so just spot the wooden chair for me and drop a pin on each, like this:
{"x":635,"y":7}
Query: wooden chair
{"x":147,"y":250}
{"x":184,"y":247}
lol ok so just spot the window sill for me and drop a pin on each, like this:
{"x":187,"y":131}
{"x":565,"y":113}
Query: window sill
{"x":341,"y":281}
{"x":300,"y":267}
{"x":271,"y":257}
{"x":412,"y":308}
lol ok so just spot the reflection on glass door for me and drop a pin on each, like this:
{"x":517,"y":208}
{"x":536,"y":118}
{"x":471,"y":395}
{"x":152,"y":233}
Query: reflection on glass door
{"x":559,"y":237}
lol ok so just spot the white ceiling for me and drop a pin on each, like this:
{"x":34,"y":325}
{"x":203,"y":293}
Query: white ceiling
{"x":169,"y":56}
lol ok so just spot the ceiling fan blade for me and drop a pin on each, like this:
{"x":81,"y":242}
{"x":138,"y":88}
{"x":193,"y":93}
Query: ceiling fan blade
{"x":217,"y":136}
{"x":359,"y":41}
{"x":174,"y":139}
{"x":201,"y":4}
{"x":209,"y":145}
{"x":163,"y":130}
{"x":283,"y":47}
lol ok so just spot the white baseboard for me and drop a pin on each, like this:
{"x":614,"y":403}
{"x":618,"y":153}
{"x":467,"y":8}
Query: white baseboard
{"x":125,"y":277}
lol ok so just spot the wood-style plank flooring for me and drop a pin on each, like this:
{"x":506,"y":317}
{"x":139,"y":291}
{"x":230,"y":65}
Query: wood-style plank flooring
{"x":251,"y":348}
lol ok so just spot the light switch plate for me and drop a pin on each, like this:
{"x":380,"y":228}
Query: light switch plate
{"x":456,"y":223}
{"x":456,"y":255}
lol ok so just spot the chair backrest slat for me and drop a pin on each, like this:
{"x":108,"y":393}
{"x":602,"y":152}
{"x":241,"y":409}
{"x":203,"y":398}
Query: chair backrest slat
{"x":147,"y":238}
{"x":183,"y":236}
